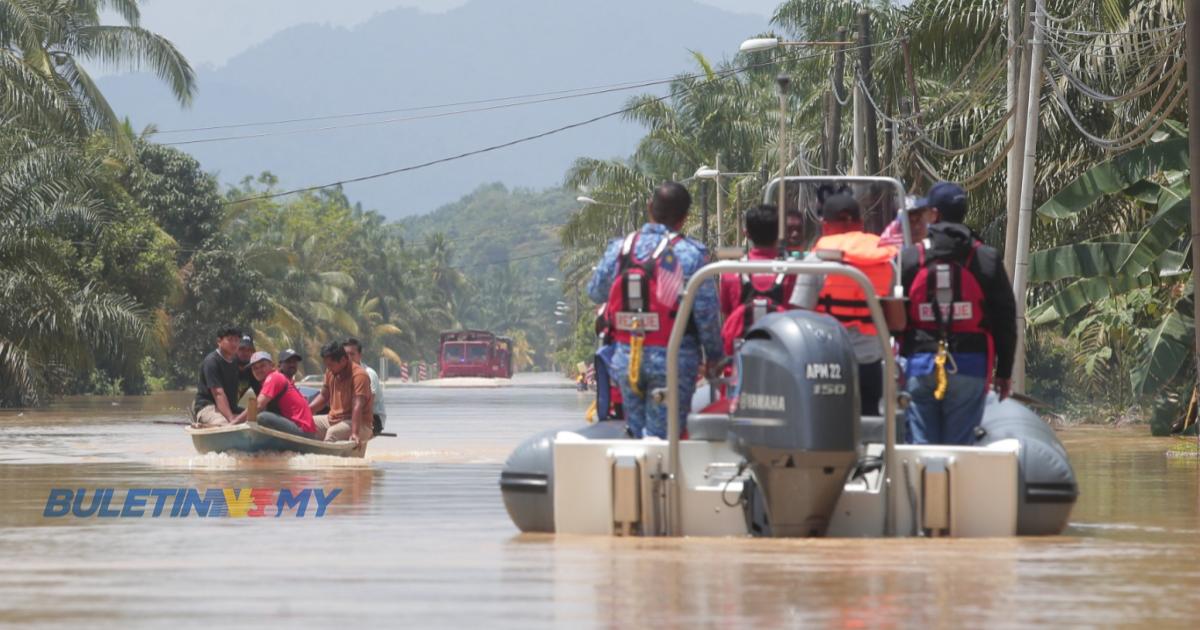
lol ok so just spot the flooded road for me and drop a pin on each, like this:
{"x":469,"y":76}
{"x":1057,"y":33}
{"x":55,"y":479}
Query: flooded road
{"x":419,"y":536}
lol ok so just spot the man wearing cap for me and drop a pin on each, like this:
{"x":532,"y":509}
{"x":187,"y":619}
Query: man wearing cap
{"x":919,"y":216}
{"x":289,"y":364}
{"x":281,"y":406}
{"x":347,"y":390}
{"x":962,"y":327}
{"x":246,"y":380}
{"x":217,"y":391}
{"x":842,"y":237}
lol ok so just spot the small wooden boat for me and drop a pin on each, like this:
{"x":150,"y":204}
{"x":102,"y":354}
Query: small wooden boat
{"x":250,"y":437}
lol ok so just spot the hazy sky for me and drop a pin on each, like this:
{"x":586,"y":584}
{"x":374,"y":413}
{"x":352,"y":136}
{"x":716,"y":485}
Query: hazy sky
{"x":205,"y":32}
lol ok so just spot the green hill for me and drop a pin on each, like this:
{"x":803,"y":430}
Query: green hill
{"x":505,"y":244}
{"x":493,"y":225}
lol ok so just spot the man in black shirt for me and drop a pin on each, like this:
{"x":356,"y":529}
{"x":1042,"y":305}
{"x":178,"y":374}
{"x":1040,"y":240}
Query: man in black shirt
{"x":217,"y":391}
{"x":962,"y":324}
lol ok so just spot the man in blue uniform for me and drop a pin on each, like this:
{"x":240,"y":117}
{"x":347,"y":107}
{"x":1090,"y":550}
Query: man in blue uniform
{"x":668,"y":212}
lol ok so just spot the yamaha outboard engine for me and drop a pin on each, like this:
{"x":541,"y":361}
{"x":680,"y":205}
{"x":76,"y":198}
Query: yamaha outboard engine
{"x":797,"y":417}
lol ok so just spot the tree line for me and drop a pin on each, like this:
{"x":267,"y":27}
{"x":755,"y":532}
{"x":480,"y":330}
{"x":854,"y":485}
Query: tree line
{"x":1110,"y":324}
{"x":119,"y":257}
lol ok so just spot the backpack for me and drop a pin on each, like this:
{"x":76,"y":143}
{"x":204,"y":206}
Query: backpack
{"x":635,"y":301}
{"x":753,"y":306}
{"x":947,"y":304}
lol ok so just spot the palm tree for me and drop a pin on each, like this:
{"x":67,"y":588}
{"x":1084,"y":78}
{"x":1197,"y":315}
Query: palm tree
{"x":44,"y":43}
{"x":52,"y":184}
{"x":373,"y":328}
{"x":48,"y":323}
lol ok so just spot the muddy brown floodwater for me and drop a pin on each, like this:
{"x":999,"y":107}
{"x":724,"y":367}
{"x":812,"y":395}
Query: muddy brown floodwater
{"x":419,"y":536}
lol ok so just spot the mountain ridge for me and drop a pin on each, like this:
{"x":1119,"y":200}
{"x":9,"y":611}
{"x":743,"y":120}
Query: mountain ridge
{"x":405,"y":58}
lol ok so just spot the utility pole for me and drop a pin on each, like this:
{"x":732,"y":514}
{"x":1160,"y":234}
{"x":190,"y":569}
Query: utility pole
{"x":704,"y":215}
{"x":1028,"y":181}
{"x":782,"y":81}
{"x":839,"y":96}
{"x":1193,"y":81}
{"x":889,"y":135}
{"x":1019,"y":26}
{"x":859,"y":140}
{"x":720,"y":208}
{"x":864,"y":40}
{"x":827,"y":140}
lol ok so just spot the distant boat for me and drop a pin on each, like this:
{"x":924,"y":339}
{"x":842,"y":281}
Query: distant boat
{"x":253,"y":438}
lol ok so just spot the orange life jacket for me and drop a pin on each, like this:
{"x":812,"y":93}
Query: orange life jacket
{"x":841,"y":296}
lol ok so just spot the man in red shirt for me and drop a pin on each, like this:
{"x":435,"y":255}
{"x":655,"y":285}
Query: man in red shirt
{"x":772,"y":291}
{"x":762,"y":230}
{"x":281,"y":406}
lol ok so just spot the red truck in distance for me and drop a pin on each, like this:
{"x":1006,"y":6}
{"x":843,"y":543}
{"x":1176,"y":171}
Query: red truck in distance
{"x":477,"y":353}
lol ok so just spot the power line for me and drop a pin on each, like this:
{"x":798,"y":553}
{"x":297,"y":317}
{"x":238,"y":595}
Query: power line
{"x":721,"y":75}
{"x":590,"y":90}
{"x":1168,"y":27}
{"x":388,"y":121}
{"x":483,"y":101}
{"x":506,"y":261}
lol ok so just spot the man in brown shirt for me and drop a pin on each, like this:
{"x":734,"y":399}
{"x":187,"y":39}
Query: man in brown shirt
{"x":347,"y":390}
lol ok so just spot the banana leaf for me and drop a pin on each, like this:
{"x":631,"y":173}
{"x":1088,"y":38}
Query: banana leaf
{"x":1179,"y":188}
{"x":1145,"y":191}
{"x":1116,"y":175}
{"x":1082,"y":293}
{"x":1171,"y":263}
{"x":1169,"y":345}
{"x":1163,"y":231}
{"x":1083,"y":260}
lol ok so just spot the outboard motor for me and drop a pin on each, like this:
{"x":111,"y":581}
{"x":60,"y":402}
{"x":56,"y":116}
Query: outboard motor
{"x":797,"y":417}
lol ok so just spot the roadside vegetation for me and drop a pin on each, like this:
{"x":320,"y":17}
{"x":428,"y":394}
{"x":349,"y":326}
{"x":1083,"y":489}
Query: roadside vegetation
{"x":1110,"y":282}
{"x":120,"y":257}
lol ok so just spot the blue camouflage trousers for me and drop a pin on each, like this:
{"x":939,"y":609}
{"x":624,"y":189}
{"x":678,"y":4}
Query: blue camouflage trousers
{"x":645,"y":418}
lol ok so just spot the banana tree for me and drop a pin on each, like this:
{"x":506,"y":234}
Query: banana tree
{"x":1145,"y":192}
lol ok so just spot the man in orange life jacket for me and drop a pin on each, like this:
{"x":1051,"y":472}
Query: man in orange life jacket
{"x":641,"y":277}
{"x":961,"y":324}
{"x":842,"y":230}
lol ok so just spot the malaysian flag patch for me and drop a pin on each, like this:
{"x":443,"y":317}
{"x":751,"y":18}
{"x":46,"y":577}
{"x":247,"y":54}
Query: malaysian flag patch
{"x":669,"y":277}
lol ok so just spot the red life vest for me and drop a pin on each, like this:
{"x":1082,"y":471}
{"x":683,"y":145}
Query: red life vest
{"x":946,"y":303}
{"x":634,"y":306}
{"x":753,"y":306}
{"x":842,"y":297}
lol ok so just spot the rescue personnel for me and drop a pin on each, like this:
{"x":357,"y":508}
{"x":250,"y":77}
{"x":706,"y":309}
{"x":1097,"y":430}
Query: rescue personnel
{"x":641,"y":277}
{"x":919,"y":220}
{"x":962,"y":326}
{"x":842,"y":234}
{"x":746,"y":297}
{"x":608,"y":394}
